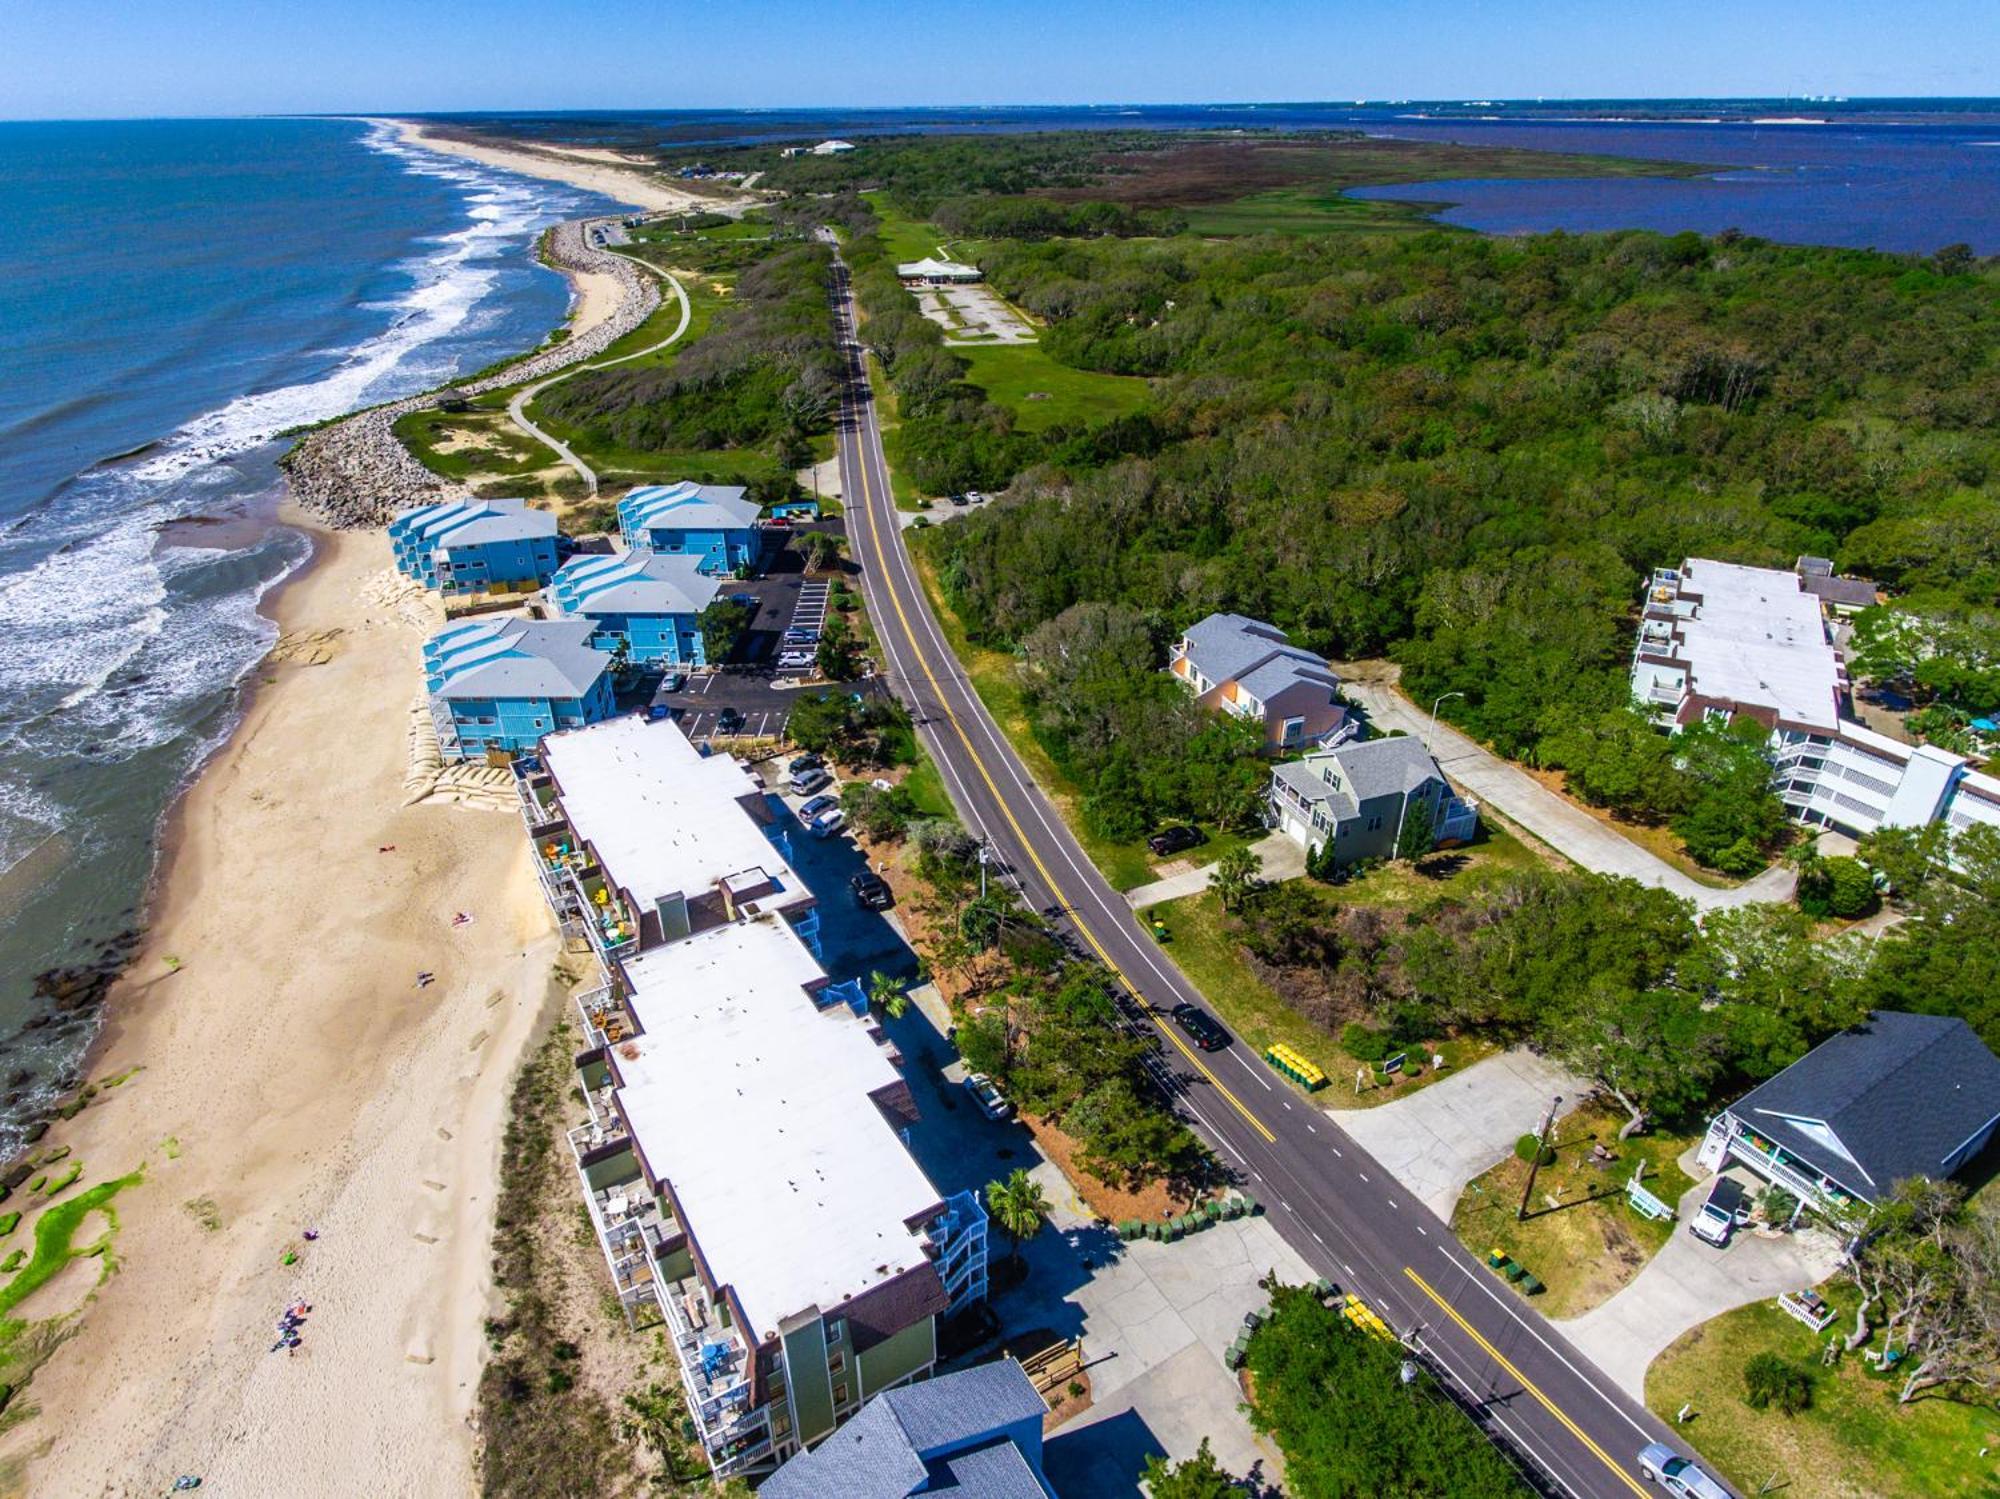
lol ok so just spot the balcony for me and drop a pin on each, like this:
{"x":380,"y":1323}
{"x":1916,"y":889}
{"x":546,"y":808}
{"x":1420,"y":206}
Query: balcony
{"x":1769,"y":1161}
{"x":631,"y":1228}
{"x":715,"y":1365}
{"x":957,"y":1246}
{"x":600,"y":911}
{"x":606,"y":1021}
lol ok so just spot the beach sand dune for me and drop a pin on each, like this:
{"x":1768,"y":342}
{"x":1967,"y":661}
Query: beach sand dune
{"x":295,"y":1076}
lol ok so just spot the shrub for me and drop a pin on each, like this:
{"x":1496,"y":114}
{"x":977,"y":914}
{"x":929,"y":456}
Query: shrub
{"x":1770,"y":1382}
{"x":1364,"y":1043}
{"x":1530,"y":1148}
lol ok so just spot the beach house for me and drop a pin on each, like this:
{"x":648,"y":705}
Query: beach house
{"x":1360,"y":798}
{"x":714,"y":523}
{"x":1250,"y":669}
{"x":742,"y":1157}
{"x":975,"y":1433}
{"x":501,"y":683}
{"x":646,"y":603}
{"x":1897,"y":1096}
{"x":1719,"y":641}
{"x":472,"y":546}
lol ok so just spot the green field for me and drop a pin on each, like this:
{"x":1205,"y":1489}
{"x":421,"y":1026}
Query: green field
{"x":902,"y":237}
{"x":1042,"y":393}
{"x":1309,"y":210}
{"x":1854,"y":1439}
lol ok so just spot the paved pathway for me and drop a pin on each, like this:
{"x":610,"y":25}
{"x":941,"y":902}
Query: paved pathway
{"x":1564,"y":827}
{"x":1690,"y":1281}
{"x":1281,"y":859}
{"x":517,"y":405}
{"x":1438,"y":1139}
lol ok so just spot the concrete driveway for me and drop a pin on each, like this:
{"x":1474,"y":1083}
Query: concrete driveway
{"x":1564,"y":827}
{"x":1691,"y":1281}
{"x":1437,"y":1140}
{"x":1279,"y":858}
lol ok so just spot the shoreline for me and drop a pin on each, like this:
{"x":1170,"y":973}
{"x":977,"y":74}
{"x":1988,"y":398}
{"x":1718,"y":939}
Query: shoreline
{"x":626,"y":184}
{"x":287,"y":1072}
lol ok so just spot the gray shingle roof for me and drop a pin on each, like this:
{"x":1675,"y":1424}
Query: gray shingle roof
{"x":1386,"y":767}
{"x":638,"y":582}
{"x":515,"y":658}
{"x":475,"y":522}
{"x":690,"y":506}
{"x":1224,"y":647}
{"x":1854,"y":593}
{"x":1304,"y":777}
{"x":924,"y":1437}
{"x":1899,"y":1092}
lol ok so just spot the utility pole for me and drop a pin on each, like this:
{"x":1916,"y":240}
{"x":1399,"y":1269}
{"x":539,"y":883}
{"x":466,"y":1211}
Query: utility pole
{"x":1431,"y":743}
{"x":982,"y":870}
{"x":1535,"y":1164}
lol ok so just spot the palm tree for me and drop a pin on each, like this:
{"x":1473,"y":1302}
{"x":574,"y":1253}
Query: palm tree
{"x":1235,"y":875}
{"x":1018,"y":1205}
{"x":885,"y":993}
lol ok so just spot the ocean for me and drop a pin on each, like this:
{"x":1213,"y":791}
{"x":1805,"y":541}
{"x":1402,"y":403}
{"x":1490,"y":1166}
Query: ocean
{"x":173,"y":295}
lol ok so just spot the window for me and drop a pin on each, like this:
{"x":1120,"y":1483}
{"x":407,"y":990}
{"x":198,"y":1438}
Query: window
{"x":840,"y":1395}
{"x":1374,"y":824}
{"x":836,"y":1329}
{"x":1295,"y":729}
{"x":836,"y":1362}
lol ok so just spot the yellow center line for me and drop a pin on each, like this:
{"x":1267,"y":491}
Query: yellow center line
{"x":1525,"y":1383}
{"x":979,"y":764}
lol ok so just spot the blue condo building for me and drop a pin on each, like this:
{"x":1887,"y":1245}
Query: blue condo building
{"x":648,"y":602}
{"x":503,"y":683}
{"x":470,"y":546}
{"x":712,"y":522}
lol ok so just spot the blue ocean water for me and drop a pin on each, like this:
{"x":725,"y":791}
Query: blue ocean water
{"x":172,"y":296}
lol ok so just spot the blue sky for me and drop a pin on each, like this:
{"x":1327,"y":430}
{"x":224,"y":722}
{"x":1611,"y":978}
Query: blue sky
{"x":100,"y":58}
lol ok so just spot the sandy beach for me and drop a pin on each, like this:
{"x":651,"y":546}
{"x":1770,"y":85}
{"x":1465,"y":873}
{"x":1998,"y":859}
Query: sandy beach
{"x":293,"y":1075}
{"x":595,"y":171}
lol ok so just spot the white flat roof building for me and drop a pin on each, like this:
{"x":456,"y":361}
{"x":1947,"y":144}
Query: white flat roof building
{"x":665,"y":820}
{"x":758,"y":1110}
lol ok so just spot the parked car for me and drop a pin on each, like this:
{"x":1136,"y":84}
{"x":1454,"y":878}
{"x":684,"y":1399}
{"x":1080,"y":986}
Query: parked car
{"x":1659,"y":1463}
{"x":729,"y":720}
{"x":1175,"y":840}
{"x":747,"y":600}
{"x":827,"y":823}
{"x":1200,"y":1027}
{"x":817,"y":805}
{"x":802,"y":763}
{"x":871,"y":891}
{"x":1726,"y":1209}
{"x":813,"y":780}
{"x":992,"y":1102}
{"x":795,"y":661}
{"x":960,"y":500}
{"x":802,"y":634}
{"x":974,"y":497}
{"x":673,"y":681}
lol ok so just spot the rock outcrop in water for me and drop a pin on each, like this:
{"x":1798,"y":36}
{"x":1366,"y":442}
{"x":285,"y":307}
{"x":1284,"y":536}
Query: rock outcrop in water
{"x":355,"y":473}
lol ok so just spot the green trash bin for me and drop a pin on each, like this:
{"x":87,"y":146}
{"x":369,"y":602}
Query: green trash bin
{"x":1530,"y":1286}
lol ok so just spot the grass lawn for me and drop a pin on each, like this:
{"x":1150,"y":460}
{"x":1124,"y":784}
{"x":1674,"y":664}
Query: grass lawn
{"x":1853,"y":1441}
{"x":1585,"y":1253}
{"x":470,"y":445}
{"x":1012,"y":374}
{"x":1200,"y":942}
{"x":903,"y":237}
{"x":926,"y":788}
{"x":1309,"y":210}
{"x":1492,"y":856}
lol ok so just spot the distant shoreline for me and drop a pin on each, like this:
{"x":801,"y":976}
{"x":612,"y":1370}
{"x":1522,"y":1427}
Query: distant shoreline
{"x":593,"y":171}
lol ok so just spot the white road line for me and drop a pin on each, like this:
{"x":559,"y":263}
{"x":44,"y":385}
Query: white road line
{"x":1253,"y":1071}
{"x":1362,"y":1174}
{"x":1316,"y":1238}
{"x":1515,"y":1317}
{"x":1424,"y":1231}
{"x":1337,"y":1151}
{"x":1312,"y":1129}
{"x":1392,"y":1201}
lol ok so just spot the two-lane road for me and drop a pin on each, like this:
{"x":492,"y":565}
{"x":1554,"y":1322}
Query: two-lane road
{"x":1332,"y":1202}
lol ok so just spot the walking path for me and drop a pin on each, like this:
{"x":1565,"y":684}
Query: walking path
{"x":517,"y":406}
{"x":1565,"y":827}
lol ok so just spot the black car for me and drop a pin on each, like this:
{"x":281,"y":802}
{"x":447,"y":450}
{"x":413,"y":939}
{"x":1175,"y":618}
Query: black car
{"x":803,"y":764}
{"x":728,"y":721}
{"x":1201,"y":1030}
{"x":1174,"y":840}
{"x":871,"y":891}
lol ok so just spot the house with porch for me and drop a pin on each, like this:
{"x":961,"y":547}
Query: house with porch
{"x":1250,"y":669}
{"x":476,"y":546}
{"x":646,"y":603}
{"x":501,"y":683}
{"x":1897,"y":1096}
{"x":743,"y":1161}
{"x":975,"y":1432}
{"x":1359,"y":796}
{"x":714,"y":523}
